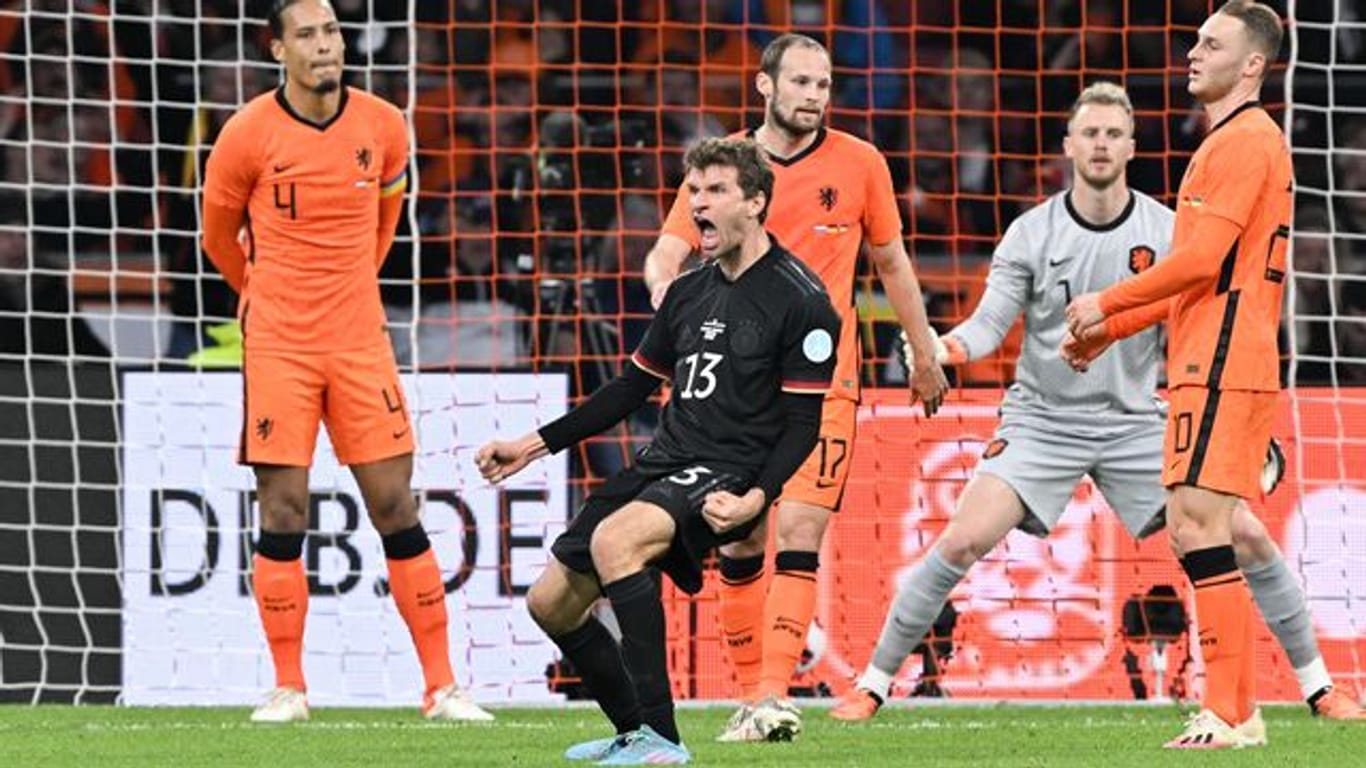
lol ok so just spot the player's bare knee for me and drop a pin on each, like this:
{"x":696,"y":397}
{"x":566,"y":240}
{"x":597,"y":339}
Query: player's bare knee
{"x":750,"y":547}
{"x":1189,"y":534}
{"x":393,"y":512}
{"x":1182,"y":534}
{"x":615,"y":554}
{"x":801,"y":527}
{"x":1252,"y":545}
{"x":958,"y":548}
{"x":804,"y":536}
{"x":283,"y":510}
{"x":1174,"y":541}
{"x":545,"y":602}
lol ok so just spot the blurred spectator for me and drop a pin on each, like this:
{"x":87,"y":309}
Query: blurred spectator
{"x":706,"y":33}
{"x":468,"y":317}
{"x":37,"y":314}
{"x":1350,"y":177}
{"x":974,"y":106}
{"x":1315,"y":293}
{"x":661,"y":116}
{"x":1351,"y":333}
{"x":618,"y":257}
{"x":953,"y":153}
{"x":931,"y":193}
{"x":1100,"y":46}
{"x":514,"y":100}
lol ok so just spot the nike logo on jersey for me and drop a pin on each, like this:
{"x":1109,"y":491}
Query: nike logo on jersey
{"x":1058,"y":262}
{"x":398,"y":433}
{"x":282,"y":168}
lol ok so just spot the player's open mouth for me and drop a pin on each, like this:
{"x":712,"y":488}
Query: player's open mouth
{"x":711,"y":237}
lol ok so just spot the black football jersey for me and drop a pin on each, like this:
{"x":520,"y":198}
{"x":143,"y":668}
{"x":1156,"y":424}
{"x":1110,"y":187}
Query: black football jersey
{"x":730,"y":349}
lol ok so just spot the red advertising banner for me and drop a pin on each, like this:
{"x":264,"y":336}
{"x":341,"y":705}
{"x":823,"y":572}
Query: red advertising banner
{"x":1042,"y":618}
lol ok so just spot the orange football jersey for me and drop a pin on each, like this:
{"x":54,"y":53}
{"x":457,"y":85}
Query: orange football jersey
{"x":1223,"y":335}
{"x":827,"y":200}
{"x":311,"y":192}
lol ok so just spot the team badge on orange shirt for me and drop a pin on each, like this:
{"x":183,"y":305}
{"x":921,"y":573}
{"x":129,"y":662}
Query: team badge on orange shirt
{"x":363,"y":158}
{"x":829,"y":197}
{"x":1140,"y":258}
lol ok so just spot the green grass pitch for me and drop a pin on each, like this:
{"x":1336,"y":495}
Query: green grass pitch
{"x":1005,"y":735}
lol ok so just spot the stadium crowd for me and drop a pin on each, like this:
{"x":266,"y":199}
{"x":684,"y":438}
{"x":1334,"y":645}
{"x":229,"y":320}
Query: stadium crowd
{"x":549,"y":134}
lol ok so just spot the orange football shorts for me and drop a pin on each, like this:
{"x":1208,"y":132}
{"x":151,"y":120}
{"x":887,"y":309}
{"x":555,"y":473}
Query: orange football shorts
{"x":355,"y":393}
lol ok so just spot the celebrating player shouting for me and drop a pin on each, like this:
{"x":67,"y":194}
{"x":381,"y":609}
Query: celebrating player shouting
{"x":748,"y":340}
{"x":832,"y":194}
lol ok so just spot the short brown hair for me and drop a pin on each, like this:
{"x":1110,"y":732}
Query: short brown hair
{"x":751,"y":168}
{"x":1263,"y":26}
{"x":1105,"y":93}
{"x":772,"y":59}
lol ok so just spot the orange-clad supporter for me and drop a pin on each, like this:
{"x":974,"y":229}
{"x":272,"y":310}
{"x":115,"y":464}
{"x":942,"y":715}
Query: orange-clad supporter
{"x":833,"y":195}
{"x":1222,"y":286}
{"x":315,"y":171}
{"x":114,"y":88}
{"x":701,"y":33}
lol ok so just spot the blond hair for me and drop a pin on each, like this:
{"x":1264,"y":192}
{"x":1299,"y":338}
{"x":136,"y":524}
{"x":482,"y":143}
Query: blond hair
{"x":1104,"y":93}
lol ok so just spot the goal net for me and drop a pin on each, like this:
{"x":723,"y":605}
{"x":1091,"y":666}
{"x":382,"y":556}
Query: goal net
{"x":547,"y":144}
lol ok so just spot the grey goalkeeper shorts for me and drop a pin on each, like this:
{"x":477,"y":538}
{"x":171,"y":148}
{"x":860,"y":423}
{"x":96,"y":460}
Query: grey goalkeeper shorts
{"x":1044,"y":468}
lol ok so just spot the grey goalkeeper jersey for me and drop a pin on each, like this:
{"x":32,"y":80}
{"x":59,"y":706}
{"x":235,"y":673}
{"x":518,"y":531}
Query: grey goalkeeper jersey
{"x":1049,"y":256}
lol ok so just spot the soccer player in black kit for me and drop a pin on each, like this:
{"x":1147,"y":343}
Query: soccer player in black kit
{"x":748,"y":340}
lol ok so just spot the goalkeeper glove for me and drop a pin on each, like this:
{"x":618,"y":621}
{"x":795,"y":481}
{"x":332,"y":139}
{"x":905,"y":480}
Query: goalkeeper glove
{"x":947,"y":350}
{"x":1274,"y":467}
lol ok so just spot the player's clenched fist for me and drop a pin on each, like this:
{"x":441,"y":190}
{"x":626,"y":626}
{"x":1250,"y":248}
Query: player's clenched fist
{"x":499,"y":460}
{"x":725,"y":511}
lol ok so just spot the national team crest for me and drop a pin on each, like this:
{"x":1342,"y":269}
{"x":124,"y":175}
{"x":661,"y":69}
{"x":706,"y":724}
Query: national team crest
{"x":830,"y":197}
{"x":1140,"y":258}
{"x":363,"y":158}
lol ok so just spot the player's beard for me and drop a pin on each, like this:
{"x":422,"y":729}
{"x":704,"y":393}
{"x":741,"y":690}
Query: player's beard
{"x":790,"y":127}
{"x":326,"y":86}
